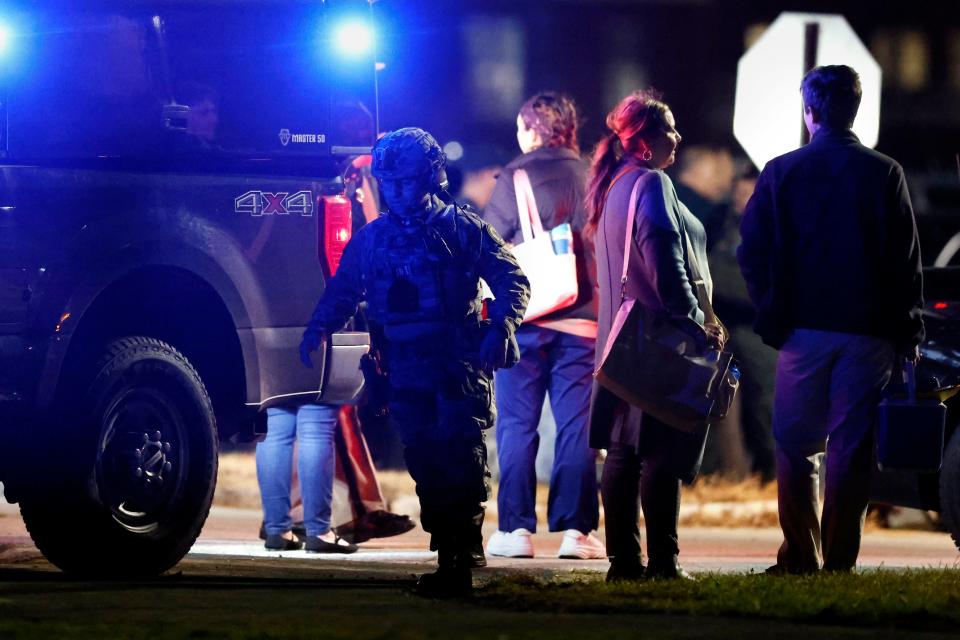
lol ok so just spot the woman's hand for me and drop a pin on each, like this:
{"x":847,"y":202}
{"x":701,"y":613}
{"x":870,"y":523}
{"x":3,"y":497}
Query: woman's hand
{"x":716,"y":335}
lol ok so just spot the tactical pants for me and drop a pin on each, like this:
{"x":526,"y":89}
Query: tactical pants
{"x":441,"y":430}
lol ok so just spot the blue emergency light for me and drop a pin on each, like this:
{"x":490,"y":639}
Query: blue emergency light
{"x":353,"y":38}
{"x":6,"y":35}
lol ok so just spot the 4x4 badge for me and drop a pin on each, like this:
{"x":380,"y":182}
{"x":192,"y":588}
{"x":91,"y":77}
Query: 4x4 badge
{"x":260,"y":203}
{"x":284,"y":137}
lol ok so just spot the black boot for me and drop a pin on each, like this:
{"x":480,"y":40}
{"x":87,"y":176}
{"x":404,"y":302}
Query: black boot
{"x":470,"y":543}
{"x":625,"y":571}
{"x":473,"y":555}
{"x":452,"y":579}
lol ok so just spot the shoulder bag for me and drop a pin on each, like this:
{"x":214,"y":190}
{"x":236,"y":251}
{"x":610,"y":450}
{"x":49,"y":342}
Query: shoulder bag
{"x":665,"y":369}
{"x":552,"y":273}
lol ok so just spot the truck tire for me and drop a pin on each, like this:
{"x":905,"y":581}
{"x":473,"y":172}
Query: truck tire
{"x":134,"y":465}
{"x":950,"y":487}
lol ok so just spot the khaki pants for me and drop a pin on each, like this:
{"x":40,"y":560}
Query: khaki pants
{"x":827,"y":391}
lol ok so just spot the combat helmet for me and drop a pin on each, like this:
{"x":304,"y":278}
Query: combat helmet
{"x":410,"y":152}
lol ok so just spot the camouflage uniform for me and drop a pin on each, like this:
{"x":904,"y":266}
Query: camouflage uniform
{"x":420,"y":279}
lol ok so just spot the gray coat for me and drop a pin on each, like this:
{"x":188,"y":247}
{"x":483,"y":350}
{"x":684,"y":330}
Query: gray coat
{"x":659,"y":277}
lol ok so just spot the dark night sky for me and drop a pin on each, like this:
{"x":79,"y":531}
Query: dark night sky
{"x":687,"y":49}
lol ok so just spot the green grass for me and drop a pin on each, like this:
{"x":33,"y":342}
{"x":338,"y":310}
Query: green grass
{"x":911,"y":599}
{"x":877,"y":606}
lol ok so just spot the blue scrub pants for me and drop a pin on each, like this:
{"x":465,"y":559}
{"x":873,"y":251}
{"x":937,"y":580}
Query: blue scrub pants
{"x":561,"y":364}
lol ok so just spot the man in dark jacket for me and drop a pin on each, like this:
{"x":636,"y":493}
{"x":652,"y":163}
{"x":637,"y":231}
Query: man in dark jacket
{"x":418,"y":267}
{"x":831,"y":258}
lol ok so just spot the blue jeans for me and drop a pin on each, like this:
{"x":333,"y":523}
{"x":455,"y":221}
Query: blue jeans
{"x":314,"y":427}
{"x":562,"y":364}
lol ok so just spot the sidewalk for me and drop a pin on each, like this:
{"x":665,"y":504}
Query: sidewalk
{"x":231,"y":533}
{"x":230,"y":536}
{"x":704,"y":549}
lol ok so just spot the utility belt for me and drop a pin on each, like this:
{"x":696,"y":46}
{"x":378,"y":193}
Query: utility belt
{"x":434,"y":349}
{"x":444,"y":364}
{"x":448,"y":340}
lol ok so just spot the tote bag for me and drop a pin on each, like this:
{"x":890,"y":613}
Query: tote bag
{"x":552,"y":275}
{"x":662,"y":364}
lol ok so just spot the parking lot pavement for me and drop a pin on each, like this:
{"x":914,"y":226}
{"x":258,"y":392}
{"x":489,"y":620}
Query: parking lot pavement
{"x":231,"y":533}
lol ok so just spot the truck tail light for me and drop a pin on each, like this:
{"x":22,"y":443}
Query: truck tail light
{"x":334,"y":231}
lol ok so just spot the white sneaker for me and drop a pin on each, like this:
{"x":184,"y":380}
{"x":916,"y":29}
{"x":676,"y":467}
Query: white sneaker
{"x":581,"y":546}
{"x":515,"y":544}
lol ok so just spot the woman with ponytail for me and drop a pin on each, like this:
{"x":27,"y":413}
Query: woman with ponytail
{"x":644,"y":456}
{"x":556,"y":350}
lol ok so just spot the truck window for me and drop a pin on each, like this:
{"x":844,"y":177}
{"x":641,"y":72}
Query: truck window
{"x":87,"y":88}
{"x":257,"y":78}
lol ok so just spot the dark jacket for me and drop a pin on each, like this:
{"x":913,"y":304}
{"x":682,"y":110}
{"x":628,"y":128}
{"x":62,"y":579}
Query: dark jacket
{"x":473,"y":251}
{"x":558,"y":176}
{"x":830,"y":243}
{"x":658,"y":277}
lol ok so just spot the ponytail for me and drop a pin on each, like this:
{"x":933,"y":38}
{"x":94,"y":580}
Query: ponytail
{"x":628,"y":123}
{"x":606,"y":157}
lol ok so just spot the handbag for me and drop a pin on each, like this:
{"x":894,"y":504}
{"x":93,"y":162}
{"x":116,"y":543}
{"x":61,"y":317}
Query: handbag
{"x":910,"y":429}
{"x":552,"y":274}
{"x":662,"y":364}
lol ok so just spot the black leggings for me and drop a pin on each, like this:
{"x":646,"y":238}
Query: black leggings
{"x":651,"y":476}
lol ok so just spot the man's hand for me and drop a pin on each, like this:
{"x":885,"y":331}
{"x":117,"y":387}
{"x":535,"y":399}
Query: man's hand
{"x":310,"y":343}
{"x":493,"y":350}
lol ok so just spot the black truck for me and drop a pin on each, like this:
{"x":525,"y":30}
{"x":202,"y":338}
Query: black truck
{"x":171,"y":203}
{"x":939,"y":368}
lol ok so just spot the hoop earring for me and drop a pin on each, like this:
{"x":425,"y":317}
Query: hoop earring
{"x":647,"y":155}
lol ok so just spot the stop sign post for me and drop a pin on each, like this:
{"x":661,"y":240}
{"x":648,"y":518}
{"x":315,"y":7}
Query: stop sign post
{"x":768,"y":99}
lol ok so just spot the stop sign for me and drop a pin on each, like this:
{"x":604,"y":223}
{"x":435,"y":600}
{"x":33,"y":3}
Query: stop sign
{"x":768,"y":110}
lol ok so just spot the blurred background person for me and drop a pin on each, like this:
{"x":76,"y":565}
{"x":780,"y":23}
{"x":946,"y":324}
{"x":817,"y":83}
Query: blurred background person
{"x":556,"y":351}
{"x":355,"y":128}
{"x":704,"y":180}
{"x":751,"y":433}
{"x":474,"y":176}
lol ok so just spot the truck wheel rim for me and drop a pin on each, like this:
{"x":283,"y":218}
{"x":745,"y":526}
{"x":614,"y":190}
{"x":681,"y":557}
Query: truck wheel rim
{"x":142,"y":459}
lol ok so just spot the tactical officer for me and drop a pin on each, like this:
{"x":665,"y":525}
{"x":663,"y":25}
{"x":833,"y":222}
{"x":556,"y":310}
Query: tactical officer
{"x":418,"y":267}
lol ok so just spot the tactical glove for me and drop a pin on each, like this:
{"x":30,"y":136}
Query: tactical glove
{"x":312,"y":339}
{"x":498,"y":350}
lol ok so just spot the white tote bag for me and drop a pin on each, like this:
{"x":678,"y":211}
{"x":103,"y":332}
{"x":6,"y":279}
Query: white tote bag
{"x":552,"y":275}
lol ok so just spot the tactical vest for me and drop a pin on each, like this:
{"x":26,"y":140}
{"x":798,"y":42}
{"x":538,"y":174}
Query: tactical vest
{"x":418,"y":283}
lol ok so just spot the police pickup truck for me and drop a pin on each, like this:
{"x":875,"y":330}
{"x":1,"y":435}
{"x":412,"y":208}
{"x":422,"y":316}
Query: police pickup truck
{"x":939,"y":368}
{"x":171,"y":203}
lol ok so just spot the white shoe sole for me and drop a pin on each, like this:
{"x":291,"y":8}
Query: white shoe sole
{"x":583,"y":554}
{"x":510,"y":551}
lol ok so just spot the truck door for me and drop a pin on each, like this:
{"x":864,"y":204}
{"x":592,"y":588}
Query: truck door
{"x":14,"y":294}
